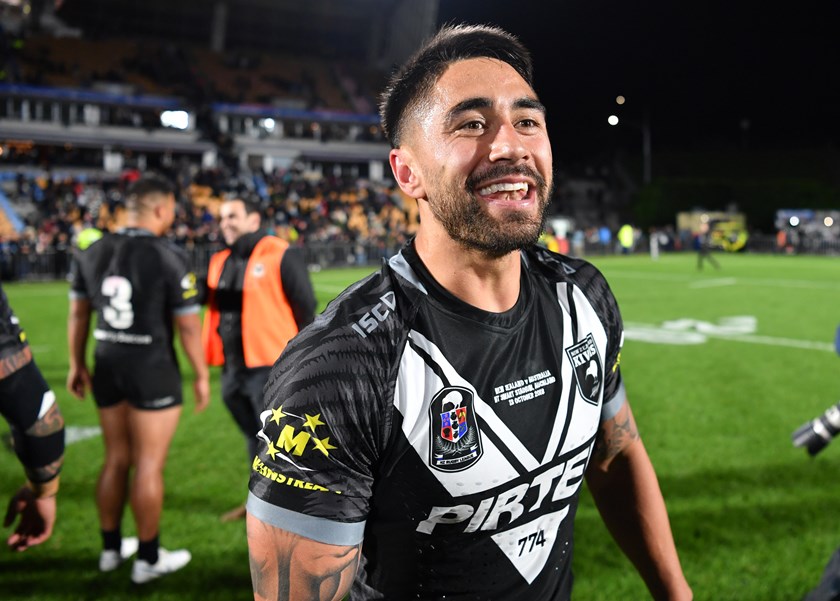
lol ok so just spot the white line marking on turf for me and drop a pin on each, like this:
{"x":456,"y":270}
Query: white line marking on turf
{"x":713,"y":283}
{"x":742,"y":281}
{"x":774,"y":341}
{"x":654,"y":334}
{"x":810,"y":284}
{"x":79,"y":433}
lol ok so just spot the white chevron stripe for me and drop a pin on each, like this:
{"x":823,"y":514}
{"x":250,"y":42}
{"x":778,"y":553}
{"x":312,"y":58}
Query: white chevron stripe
{"x":585,"y":417}
{"x":416,"y":386}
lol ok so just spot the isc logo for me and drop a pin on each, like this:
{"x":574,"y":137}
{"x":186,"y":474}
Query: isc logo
{"x":380,"y":312}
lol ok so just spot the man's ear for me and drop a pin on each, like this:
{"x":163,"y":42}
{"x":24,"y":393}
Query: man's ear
{"x":253,"y":220}
{"x":407,"y":175}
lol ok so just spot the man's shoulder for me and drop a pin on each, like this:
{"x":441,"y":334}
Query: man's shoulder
{"x":103,"y":246}
{"x":165,"y":246}
{"x":220,"y":254}
{"x":370,"y":313}
{"x":558,"y":267}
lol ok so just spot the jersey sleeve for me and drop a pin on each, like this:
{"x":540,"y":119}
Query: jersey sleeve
{"x":78,"y":289}
{"x":607,"y":307}
{"x":323,"y":430}
{"x":181,"y":283}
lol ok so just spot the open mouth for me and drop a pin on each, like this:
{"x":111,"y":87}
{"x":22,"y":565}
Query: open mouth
{"x":506,"y":191}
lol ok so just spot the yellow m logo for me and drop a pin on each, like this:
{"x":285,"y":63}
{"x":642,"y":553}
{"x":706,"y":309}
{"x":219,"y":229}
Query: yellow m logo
{"x":289,"y":440}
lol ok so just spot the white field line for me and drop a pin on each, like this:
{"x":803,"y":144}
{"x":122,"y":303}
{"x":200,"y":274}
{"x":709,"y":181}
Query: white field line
{"x":713,"y":283}
{"x":79,"y":433}
{"x":742,"y":281}
{"x":774,"y":341}
{"x":657,"y":335}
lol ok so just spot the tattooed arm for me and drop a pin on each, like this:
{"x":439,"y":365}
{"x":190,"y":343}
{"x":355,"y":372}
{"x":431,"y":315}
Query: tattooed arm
{"x":288,"y":567}
{"x":35,"y":502}
{"x":626,"y":491}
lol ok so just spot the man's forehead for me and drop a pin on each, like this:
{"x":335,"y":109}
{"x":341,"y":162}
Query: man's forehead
{"x":483,"y":77}
{"x":232,"y":205}
{"x":481,"y":71}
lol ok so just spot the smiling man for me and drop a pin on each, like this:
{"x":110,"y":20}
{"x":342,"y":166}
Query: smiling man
{"x":428,"y":435}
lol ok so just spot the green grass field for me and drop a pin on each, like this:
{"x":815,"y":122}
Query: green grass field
{"x":716,"y":400}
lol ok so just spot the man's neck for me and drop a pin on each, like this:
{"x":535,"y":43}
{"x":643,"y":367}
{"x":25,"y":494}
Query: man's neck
{"x":244,"y":245}
{"x":490,"y":284}
{"x":143,"y":223}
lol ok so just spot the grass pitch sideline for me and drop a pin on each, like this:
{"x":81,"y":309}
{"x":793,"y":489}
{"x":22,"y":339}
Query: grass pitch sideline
{"x":720,"y":367}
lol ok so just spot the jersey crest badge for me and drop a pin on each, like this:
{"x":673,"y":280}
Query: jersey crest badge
{"x":455,"y":440}
{"x":586,"y":363}
{"x":259,"y":270}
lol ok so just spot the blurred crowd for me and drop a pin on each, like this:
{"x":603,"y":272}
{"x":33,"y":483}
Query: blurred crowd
{"x":303,"y":208}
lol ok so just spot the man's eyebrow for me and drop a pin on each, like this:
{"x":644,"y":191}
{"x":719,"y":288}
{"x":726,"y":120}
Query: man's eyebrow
{"x":529,"y":103}
{"x":471,"y":104}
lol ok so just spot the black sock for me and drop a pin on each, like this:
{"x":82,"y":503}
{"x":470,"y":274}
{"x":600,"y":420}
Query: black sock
{"x":111,"y":540}
{"x":148,"y":550}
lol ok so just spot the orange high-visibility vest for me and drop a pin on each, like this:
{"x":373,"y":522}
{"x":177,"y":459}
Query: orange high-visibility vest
{"x":268,"y":322}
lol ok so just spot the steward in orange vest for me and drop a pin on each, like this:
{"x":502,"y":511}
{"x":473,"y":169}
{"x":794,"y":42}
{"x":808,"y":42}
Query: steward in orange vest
{"x":267,"y":318}
{"x":258,"y":296}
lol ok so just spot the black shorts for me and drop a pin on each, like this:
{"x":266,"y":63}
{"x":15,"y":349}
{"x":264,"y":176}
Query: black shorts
{"x":144,"y":383}
{"x":21,"y":396}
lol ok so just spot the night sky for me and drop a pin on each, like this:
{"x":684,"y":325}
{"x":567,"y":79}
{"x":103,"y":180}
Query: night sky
{"x":712,"y":74}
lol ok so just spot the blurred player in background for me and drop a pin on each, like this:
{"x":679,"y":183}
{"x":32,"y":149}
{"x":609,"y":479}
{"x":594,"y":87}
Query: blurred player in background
{"x":138,"y":284}
{"x":29,"y":406}
{"x":704,"y":247}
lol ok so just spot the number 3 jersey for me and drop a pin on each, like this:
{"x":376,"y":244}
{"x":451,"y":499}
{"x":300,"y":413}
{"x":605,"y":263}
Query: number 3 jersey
{"x":136,"y":282}
{"x":452,"y":441}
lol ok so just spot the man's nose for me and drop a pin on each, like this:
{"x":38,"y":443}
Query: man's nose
{"x":507,"y":144}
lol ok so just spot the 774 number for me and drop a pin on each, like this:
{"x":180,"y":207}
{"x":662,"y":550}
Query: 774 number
{"x":527,"y":544}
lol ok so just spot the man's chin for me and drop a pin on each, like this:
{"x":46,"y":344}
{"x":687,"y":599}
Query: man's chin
{"x":498,"y":246}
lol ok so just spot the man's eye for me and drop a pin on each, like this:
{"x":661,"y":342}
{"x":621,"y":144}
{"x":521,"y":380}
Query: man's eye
{"x":477,"y":125}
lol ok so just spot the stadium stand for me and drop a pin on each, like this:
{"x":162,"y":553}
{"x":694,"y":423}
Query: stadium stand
{"x":286,"y":115}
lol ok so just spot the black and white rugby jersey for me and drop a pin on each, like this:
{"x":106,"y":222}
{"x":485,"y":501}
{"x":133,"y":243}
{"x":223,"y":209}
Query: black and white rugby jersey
{"x":12,"y":337}
{"x":452,"y":440}
{"x":136,"y":282}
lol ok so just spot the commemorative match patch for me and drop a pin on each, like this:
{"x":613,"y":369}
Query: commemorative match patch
{"x":455,"y":440}
{"x":586,"y":363}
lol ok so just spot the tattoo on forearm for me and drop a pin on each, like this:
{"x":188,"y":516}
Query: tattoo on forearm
{"x":49,"y":424}
{"x":329,"y":583}
{"x":297,"y":568}
{"x":614,"y":436}
{"x":11,"y":363}
{"x":258,"y":568}
{"x":45,"y":472}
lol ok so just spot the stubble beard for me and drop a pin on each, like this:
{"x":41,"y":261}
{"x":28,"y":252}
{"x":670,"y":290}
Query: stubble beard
{"x":468,"y":221}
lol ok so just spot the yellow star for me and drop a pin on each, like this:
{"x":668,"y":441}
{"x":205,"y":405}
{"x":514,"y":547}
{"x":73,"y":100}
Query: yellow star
{"x":272,"y":450}
{"x":313,"y":421}
{"x":323,"y":445}
{"x":277,"y":415}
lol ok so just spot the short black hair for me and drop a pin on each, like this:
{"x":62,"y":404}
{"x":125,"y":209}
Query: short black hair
{"x":452,"y":43}
{"x":251,"y":202}
{"x":142,"y":191}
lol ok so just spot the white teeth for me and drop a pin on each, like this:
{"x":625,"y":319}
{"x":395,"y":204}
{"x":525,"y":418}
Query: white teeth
{"x":493,"y":188}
